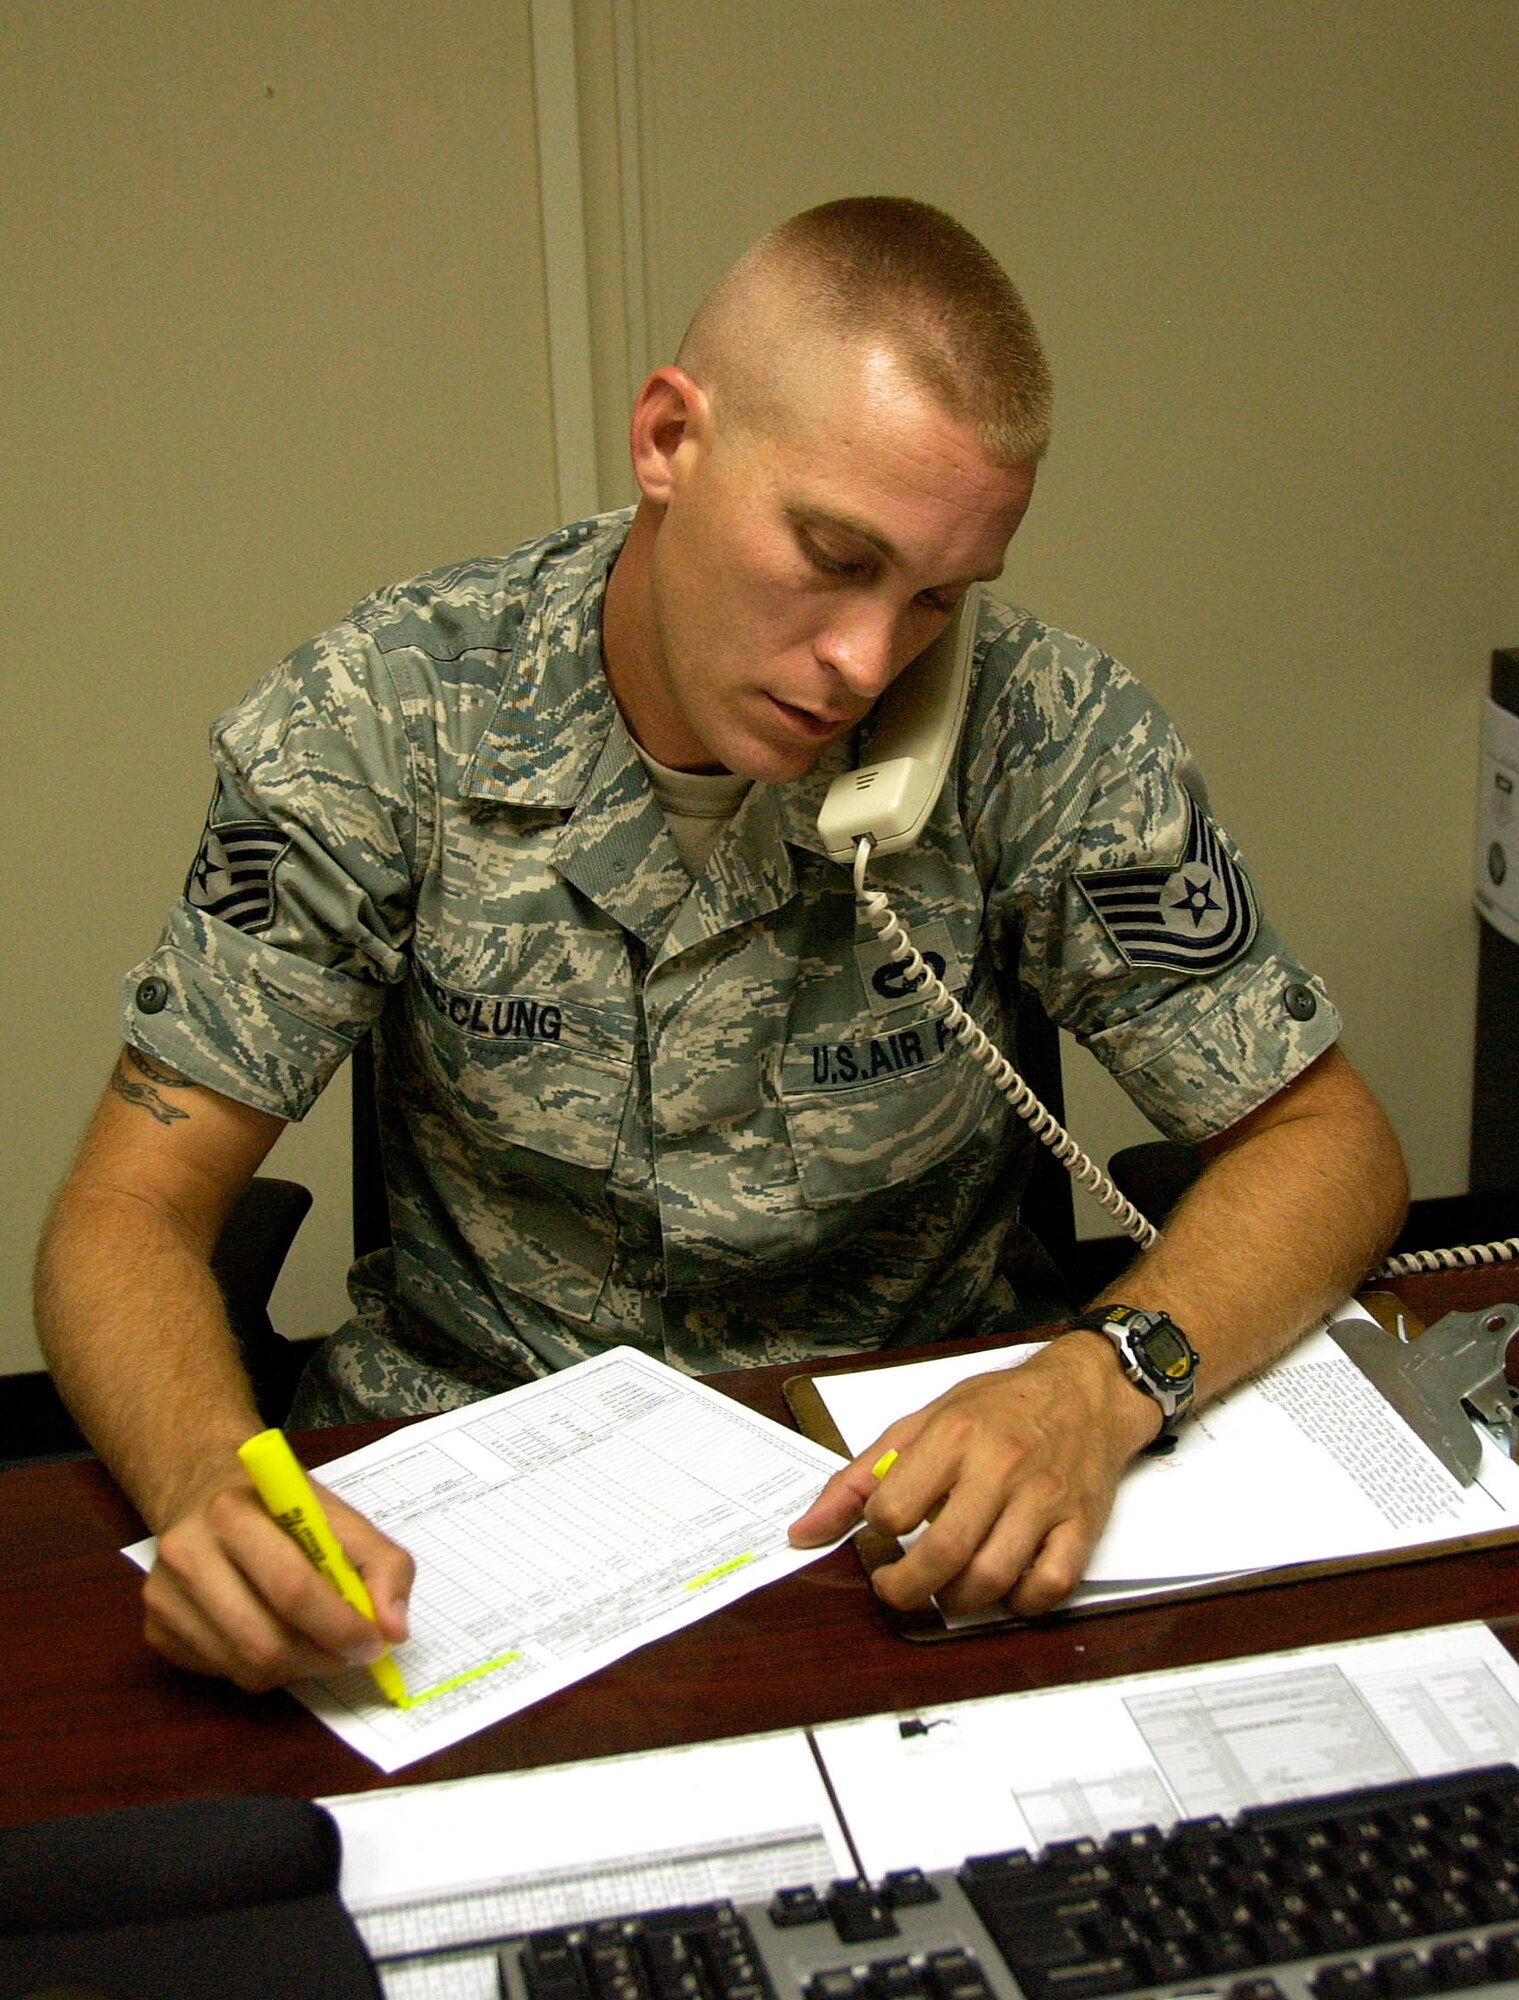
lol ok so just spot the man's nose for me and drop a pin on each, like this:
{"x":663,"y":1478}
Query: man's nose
{"x":861,"y":649}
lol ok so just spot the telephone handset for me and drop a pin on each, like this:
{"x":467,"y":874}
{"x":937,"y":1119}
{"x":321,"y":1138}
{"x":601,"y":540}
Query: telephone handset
{"x":912,"y":740}
{"x":883,"y":807}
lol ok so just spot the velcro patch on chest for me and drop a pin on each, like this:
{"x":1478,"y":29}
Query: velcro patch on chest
{"x":884,"y":974}
{"x":1196,"y":918}
{"x":232,"y":875}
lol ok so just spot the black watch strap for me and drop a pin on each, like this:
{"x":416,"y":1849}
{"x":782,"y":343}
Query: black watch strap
{"x":1156,"y":1356}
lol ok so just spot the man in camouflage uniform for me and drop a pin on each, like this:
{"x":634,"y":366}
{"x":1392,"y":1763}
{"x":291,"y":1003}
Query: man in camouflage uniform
{"x":548,"y":826}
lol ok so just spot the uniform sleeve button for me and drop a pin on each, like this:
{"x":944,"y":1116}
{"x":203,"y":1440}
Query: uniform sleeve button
{"x":152,"y":995}
{"x":1301,"y":1002}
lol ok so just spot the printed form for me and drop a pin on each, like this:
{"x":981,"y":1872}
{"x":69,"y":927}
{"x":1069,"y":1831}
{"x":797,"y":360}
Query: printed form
{"x":1020,"y":1770}
{"x":433,"y":1873}
{"x":1304,"y":1462}
{"x":556,"y":1528}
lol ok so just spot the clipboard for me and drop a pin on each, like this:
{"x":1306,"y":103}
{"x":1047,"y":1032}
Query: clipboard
{"x":1456,"y":1374}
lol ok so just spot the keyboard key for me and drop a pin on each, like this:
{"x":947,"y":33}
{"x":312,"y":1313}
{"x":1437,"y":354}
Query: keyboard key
{"x":1111,"y":1972}
{"x":907,"y":1888}
{"x":1037,"y":1950}
{"x":956,"y":1975}
{"x":1462,"y":1962}
{"x":897,"y":1979}
{"x":1447,"y":1910}
{"x":1503,"y":1955}
{"x":1495,"y":1902}
{"x":1343,"y":1982}
{"x":1172,"y":1959}
{"x":1387,"y":1919}
{"x":1401,"y":1975}
{"x":859,"y":1912}
{"x":839,"y":1985}
{"x":791,"y":1907}
{"x":1225,"y":1951}
{"x":1280,"y":1937}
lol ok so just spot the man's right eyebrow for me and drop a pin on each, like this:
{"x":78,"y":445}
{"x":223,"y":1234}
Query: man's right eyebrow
{"x":823,"y":517}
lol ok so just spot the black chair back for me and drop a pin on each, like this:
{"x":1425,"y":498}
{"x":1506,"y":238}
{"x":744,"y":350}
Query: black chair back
{"x":371,"y":1215}
{"x":1048,"y":1207}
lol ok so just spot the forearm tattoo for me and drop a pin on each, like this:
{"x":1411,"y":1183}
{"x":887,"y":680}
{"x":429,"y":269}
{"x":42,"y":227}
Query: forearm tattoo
{"x":146,"y":1086}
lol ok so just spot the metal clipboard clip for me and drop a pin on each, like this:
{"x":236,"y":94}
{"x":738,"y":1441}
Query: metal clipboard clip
{"x":1463,"y":1371}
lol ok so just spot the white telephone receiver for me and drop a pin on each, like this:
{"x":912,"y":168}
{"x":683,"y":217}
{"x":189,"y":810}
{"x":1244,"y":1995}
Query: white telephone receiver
{"x":912,"y":740}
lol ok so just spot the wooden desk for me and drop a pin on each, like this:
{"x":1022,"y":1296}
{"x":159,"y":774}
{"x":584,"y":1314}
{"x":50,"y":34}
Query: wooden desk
{"x":92,"y":1718}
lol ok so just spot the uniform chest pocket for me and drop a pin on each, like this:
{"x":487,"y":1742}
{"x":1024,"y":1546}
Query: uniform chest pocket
{"x":881,"y":1106}
{"x":520,"y":1070}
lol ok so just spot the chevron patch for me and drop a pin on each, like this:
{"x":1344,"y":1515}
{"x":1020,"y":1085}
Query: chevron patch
{"x":232,"y":877}
{"x":1197,"y":917}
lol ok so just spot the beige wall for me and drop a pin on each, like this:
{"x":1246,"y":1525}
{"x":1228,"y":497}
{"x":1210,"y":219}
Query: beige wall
{"x":273,"y":331}
{"x":274,"y":317}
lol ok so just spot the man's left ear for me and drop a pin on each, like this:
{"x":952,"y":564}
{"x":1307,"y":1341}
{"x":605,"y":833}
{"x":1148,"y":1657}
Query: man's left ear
{"x":670,"y":420}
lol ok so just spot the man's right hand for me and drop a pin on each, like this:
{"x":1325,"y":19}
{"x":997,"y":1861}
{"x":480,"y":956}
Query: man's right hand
{"x":231,"y":1594}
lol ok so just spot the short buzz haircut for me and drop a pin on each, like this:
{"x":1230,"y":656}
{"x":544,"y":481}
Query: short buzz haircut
{"x":899,"y":271}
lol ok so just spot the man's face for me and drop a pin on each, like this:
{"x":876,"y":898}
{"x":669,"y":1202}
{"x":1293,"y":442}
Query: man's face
{"x":795,"y":573}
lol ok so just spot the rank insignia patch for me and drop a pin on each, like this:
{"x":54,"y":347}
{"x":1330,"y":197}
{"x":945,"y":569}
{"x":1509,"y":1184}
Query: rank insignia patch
{"x":232,"y":877}
{"x":1197,"y":917}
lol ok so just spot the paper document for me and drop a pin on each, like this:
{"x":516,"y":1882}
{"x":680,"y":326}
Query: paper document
{"x":556,"y":1528}
{"x":441,"y":1868}
{"x":927,"y":1788}
{"x":1302,"y":1463}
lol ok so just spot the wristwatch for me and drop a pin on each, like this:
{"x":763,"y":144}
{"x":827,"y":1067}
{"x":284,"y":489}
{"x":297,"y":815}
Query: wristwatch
{"x":1157,"y":1357}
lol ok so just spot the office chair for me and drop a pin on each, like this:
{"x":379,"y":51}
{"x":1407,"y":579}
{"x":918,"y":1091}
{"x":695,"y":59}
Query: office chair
{"x":257,"y":1236}
{"x":249,"y":1255}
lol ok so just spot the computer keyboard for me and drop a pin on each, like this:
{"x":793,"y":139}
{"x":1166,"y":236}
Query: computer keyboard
{"x":1398,"y":1890}
{"x":1394,"y":1891}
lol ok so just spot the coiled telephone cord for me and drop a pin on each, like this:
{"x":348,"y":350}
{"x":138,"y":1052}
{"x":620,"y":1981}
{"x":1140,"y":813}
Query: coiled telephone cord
{"x":946,"y":1008}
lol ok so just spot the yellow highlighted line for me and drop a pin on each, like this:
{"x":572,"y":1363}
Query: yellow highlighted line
{"x":459,"y":1680}
{"x":723,"y":1569}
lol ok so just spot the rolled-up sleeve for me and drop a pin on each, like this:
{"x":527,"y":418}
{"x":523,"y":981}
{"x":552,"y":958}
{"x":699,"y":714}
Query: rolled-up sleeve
{"x":298,"y":907}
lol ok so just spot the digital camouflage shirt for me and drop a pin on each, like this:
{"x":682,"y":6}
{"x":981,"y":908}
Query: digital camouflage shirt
{"x":707,"y":1118}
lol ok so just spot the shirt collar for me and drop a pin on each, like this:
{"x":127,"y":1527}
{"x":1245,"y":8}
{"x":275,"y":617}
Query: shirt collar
{"x":555,"y":709}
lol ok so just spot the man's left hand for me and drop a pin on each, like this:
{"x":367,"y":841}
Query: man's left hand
{"x":1018,"y":1468}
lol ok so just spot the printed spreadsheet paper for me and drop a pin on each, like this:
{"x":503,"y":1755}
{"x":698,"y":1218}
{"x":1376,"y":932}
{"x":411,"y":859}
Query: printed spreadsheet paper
{"x":430,"y":1866}
{"x":556,"y":1528}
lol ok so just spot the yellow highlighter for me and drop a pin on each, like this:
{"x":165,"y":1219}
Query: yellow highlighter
{"x":286,"y":1491}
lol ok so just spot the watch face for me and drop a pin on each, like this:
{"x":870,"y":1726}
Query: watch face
{"x":1166,"y":1353}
